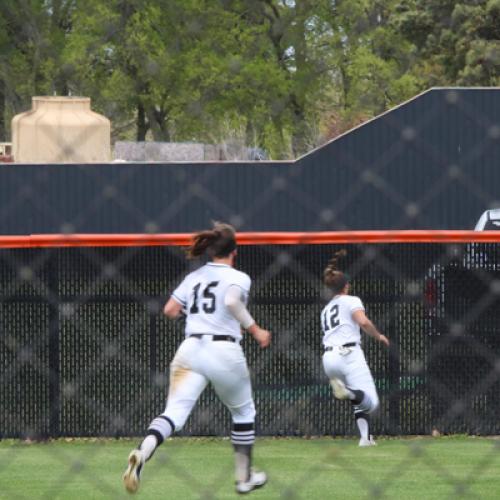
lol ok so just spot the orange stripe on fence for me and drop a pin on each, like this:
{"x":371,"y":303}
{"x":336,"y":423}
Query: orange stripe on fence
{"x":248,"y":238}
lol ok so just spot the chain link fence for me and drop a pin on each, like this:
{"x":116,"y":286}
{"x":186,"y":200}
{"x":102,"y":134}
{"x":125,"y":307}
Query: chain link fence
{"x":85,"y":349}
{"x":78,"y":322}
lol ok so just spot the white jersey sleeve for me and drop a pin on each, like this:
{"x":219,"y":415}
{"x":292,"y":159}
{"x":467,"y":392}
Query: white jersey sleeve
{"x":355,"y":303}
{"x":181,"y":293}
{"x":244,"y":282}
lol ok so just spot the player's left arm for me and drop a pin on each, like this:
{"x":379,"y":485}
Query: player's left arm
{"x":368,"y":327}
{"x":236,"y":305}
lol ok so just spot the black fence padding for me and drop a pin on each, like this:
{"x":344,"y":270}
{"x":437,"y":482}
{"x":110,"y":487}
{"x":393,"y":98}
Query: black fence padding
{"x":85,"y":349}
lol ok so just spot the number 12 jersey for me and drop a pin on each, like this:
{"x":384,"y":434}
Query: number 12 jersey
{"x":337,"y":323}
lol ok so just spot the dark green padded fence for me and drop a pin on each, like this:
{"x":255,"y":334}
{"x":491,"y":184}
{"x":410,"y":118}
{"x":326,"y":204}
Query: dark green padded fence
{"x":85,"y":350}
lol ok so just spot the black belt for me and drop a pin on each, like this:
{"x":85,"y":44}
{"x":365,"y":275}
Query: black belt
{"x":215,"y":338}
{"x":349,"y":344}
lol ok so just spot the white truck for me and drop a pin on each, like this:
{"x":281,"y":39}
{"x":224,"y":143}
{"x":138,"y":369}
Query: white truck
{"x":489,"y":220}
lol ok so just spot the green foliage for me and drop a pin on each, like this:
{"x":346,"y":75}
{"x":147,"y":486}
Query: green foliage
{"x":281,"y":75}
{"x":32,"y":34}
{"x":457,"y":42}
{"x":372,"y":61}
{"x":190,"y":67}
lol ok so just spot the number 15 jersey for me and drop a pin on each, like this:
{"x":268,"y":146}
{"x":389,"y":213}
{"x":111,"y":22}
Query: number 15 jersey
{"x":337,"y":323}
{"x":202,"y":294}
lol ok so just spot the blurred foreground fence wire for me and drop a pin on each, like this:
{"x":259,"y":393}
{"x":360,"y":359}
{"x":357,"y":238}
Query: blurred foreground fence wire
{"x":85,"y":349}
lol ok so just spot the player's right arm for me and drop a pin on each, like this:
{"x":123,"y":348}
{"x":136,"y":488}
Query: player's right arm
{"x":368,"y":327}
{"x":177,"y":302}
{"x":172,"y":309}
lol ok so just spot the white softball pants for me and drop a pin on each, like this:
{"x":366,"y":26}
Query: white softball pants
{"x":349,"y":365}
{"x":199,"y":361}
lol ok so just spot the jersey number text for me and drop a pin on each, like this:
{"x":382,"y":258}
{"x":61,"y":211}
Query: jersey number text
{"x":330,"y":318}
{"x":207,"y":305}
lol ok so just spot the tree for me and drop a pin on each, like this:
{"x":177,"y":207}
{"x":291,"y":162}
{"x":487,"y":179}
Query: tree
{"x":283,"y":75}
{"x":372,"y":62}
{"x":32,"y":36}
{"x":458,"y":42}
{"x":184,"y":69}
{"x":295,"y":39}
{"x":343,"y":60}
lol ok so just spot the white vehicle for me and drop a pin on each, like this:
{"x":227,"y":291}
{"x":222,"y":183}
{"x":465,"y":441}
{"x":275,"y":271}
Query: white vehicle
{"x":489,"y":220}
{"x":465,"y":273}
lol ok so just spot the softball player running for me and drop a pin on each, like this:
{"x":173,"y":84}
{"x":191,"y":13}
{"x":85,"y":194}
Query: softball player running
{"x":343,"y":359}
{"x":213,"y":298}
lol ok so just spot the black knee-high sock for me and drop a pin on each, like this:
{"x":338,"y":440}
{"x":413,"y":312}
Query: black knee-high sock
{"x":243,"y":438}
{"x":358,"y":396}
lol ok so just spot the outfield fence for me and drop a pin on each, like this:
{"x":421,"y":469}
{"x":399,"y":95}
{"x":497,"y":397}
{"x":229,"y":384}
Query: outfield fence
{"x":85,"y":348}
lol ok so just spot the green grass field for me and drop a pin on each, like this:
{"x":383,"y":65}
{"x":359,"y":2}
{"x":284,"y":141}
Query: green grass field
{"x":184,"y":468}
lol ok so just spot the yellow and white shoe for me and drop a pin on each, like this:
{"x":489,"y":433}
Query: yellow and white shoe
{"x":132,"y":476}
{"x":340,"y":391}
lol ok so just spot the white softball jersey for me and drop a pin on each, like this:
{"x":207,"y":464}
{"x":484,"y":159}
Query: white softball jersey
{"x":200,"y":360}
{"x":337,"y":323}
{"x":347,"y":364}
{"x":202,"y":295}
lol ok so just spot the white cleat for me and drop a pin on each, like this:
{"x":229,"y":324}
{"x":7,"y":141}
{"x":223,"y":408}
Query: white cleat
{"x":257,"y":480}
{"x":340,"y":391}
{"x":132,"y":475}
{"x":363,"y":442}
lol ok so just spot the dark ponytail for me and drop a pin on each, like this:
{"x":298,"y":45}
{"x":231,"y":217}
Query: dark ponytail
{"x":217,"y":242}
{"x":333,"y":278}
